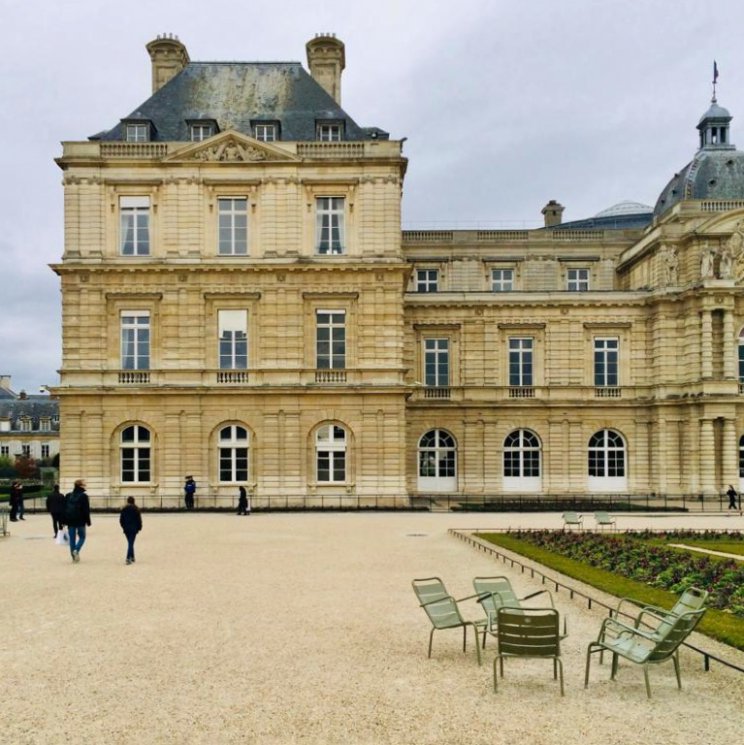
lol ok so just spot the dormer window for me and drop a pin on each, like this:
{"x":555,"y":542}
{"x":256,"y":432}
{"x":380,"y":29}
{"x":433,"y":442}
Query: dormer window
{"x":266,"y":131}
{"x":201,"y":132}
{"x":137,"y":132}
{"x":329,"y":131}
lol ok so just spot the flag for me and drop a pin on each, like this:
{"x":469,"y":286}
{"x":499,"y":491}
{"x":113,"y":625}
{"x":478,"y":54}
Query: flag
{"x":715,"y":72}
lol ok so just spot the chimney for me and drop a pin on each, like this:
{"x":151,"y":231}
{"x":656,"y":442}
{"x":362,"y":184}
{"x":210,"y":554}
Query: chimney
{"x":168,"y":57}
{"x":327,"y":60}
{"x":553,"y":212}
{"x":5,"y":382}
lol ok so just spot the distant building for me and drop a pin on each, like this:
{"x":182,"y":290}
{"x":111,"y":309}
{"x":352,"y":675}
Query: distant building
{"x":29,"y":425}
{"x":240,"y":304}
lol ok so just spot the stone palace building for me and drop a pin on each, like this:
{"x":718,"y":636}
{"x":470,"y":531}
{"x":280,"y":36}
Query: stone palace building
{"x":240,"y":304}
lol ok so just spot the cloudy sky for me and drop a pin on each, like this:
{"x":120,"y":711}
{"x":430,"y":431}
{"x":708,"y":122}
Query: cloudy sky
{"x":505,"y":105}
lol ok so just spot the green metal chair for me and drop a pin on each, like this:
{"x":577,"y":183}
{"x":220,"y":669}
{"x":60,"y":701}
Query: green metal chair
{"x":443,"y":611}
{"x":528,"y":633}
{"x":605,"y":520}
{"x":573,"y":519}
{"x":497,"y":592}
{"x":644,"y":647}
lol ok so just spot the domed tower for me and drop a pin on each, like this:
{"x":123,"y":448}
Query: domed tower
{"x":716,"y":171}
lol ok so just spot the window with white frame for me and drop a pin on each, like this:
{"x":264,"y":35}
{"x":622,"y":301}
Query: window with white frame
{"x":521,"y":361}
{"x":606,"y":362}
{"x":741,"y":356}
{"x":45,"y":424}
{"x":234,"y":444}
{"x":502,"y":280}
{"x":606,"y":454}
{"x":5,"y":450}
{"x":44,"y":450}
{"x":201,"y":132}
{"x":330,"y":339}
{"x":265,"y":131}
{"x":741,"y":458}
{"x":233,"y":339}
{"x":329,"y":132}
{"x":135,"y":450}
{"x":134,"y":227}
{"x":521,"y":455}
{"x":329,"y":225}
{"x":26,"y":451}
{"x":437,"y":362}
{"x":232,"y":217}
{"x":577,"y":280}
{"x":5,"y":424}
{"x":330,"y":454}
{"x":135,"y":339}
{"x":26,"y":424}
{"x":437,"y":455}
{"x":427,"y":280}
{"x":137,"y":132}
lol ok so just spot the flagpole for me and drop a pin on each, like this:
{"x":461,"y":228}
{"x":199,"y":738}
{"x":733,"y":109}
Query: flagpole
{"x":715,"y":80}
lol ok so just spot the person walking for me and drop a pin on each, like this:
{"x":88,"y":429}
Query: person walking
{"x":732,"y":495}
{"x":130,"y":520}
{"x":242,"y":501}
{"x":14,"y":496}
{"x":21,"y":508}
{"x":77,"y":517}
{"x":189,"y":490}
{"x":55,"y":504}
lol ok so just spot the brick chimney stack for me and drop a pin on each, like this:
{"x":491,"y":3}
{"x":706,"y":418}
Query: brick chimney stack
{"x":553,"y":212}
{"x":169,"y":57}
{"x":326,"y":59}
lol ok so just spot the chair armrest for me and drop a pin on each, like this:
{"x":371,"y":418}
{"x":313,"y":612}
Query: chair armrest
{"x":623,"y":628}
{"x":636,"y":603}
{"x":539,"y":592}
{"x":437,"y":600}
{"x":477,"y":595}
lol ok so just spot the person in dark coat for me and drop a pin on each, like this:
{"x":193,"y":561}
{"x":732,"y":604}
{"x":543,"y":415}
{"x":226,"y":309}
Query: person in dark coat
{"x":14,"y":501}
{"x":77,"y":516}
{"x":242,"y":501}
{"x":189,"y":490}
{"x":130,"y":520}
{"x":19,"y":500}
{"x":55,"y":504}
{"x":732,"y":495}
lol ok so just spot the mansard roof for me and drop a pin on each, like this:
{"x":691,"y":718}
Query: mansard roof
{"x":235,"y":94}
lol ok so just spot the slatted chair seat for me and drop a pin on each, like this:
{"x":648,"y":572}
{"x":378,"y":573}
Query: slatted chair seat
{"x":573,"y":519}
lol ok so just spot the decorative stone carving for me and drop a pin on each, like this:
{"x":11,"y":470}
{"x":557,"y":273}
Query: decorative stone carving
{"x":707,"y":261}
{"x":726,"y":263}
{"x":669,"y":265}
{"x":735,"y":248}
{"x":231,"y":151}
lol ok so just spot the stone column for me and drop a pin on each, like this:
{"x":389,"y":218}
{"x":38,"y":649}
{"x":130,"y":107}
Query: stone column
{"x":707,"y":457}
{"x":706,"y":345}
{"x":729,"y":347}
{"x":730,"y":455}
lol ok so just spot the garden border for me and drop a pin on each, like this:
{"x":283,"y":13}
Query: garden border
{"x":464,"y":535}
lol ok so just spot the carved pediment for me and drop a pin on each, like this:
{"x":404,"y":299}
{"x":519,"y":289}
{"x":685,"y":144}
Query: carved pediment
{"x":231,"y":147}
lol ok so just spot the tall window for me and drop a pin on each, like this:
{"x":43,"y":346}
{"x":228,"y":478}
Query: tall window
{"x":437,"y":455}
{"x":26,"y":424}
{"x":330,"y":451}
{"x":233,"y":226}
{"x":135,"y":340}
{"x":330,"y":339}
{"x":45,"y":424}
{"x":134,"y":228}
{"x":135,"y":454}
{"x":233,"y":446}
{"x":577,"y":280}
{"x":520,"y":361}
{"x":5,"y":450}
{"x":741,"y":457}
{"x":201,"y":132}
{"x":265,"y":132}
{"x":427,"y":280}
{"x":741,"y":356}
{"x":329,"y":132}
{"x":502,"y":280}
{"x":436,"y":362}
{"x":137,"y":133}
{"x":233,"y":344}
{"x":329,"y":225}
{"x":605,"y":362}
{"x":521,"y":454}
{"x":26,"y":451}
{"x":606,"y":454}
{"x":45,"y":451}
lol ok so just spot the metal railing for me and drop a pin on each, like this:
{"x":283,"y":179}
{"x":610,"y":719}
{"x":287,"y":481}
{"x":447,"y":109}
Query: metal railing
{"x":465,"y":534}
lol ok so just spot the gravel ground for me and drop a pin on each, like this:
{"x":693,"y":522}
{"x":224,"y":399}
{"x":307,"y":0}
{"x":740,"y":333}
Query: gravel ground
{"x":292,"y":628}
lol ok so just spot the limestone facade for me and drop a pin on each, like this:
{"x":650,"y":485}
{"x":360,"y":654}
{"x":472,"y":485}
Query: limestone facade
{"x":379,"y":365}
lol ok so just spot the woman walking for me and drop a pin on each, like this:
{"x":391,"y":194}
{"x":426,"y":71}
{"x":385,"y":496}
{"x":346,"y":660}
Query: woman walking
{"x":130,"y":520}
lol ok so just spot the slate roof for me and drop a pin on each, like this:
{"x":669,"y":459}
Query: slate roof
{"x":34,"y":407}
{"x":236,"y":93}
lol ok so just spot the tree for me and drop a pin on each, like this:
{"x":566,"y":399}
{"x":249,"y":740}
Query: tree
{"x":26,"y":467}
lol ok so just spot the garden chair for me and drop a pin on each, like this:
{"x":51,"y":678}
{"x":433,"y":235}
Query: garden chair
{"x":497,"y":592}
{"x":643,"y":647}
{"x":605,"y":520}
{"x":530,"y":633}
{"x":573,"y":519}
{"x":657,"y":618}
{"x":443,"y":611}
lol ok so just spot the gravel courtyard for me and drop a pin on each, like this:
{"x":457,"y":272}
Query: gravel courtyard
{"x":303,"y":628}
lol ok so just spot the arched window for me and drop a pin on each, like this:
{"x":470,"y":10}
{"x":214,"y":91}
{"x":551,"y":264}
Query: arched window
{"x":136,"y":454}
{"x":330,"y":454}
{"x":437,"y":461}
{"x":741,"y":461}
{"x":521,"y":454}
{"x":233,"y":446}
{"x":607,"y":461}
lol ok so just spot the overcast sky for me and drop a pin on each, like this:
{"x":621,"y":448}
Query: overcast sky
{"x":505,"y":105}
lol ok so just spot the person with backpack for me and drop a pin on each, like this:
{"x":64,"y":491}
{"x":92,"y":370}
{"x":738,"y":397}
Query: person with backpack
{"x":189,"y":490}
{"x":55,"y":504}
{"x":77,"y":516}
{"x":130,"y":520}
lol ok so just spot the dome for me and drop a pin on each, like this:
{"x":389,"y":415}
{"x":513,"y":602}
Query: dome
{"x":625,"y":208}
{"x":715,"y":112}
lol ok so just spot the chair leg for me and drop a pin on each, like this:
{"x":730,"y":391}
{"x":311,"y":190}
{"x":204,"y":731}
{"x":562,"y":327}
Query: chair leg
{"x":613,"y":672}
{"x":495,"y":675}
{"x":431,"y":639}
{"x":560,"y":668}
{"x":477,"y":646}
{"x":589,"y":652}
{"x":675,"y":660}
{"x":465,"y":638}
{"x":648,"y":685}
